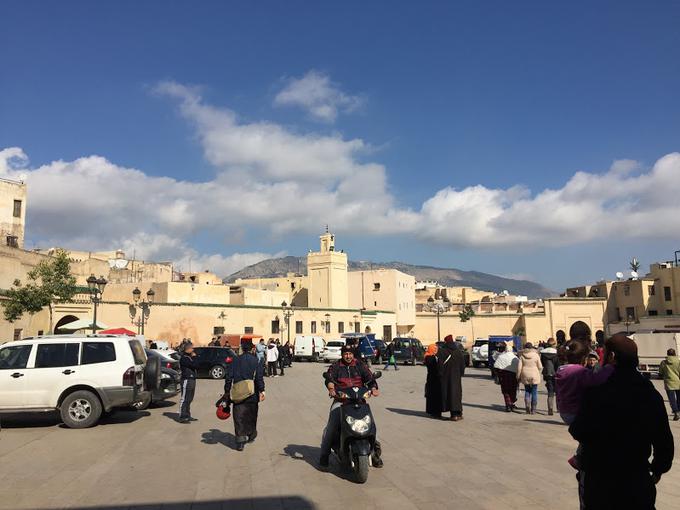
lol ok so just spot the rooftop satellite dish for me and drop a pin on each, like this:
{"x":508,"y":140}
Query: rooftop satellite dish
{"x":633,"y":274}
{"x":121,"y":263}
{"x":23,"y":176}
{"x":619,"y":275}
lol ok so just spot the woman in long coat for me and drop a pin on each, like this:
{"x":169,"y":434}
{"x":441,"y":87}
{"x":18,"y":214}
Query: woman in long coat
{"x":451,"y":366}
{"x":529,"y":374}
{"x":433,"y":392}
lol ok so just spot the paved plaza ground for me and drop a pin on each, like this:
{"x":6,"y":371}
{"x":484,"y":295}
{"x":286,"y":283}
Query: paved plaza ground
{"x":148,"y":461}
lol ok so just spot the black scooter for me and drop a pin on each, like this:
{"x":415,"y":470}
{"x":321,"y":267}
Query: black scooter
{"x":356,"y":443}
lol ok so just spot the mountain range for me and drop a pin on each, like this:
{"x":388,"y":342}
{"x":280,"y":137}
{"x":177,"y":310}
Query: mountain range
{"x":445,"y":276}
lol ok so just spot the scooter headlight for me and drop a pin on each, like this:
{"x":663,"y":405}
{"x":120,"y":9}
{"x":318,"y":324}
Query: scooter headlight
{"x":360,"y":426}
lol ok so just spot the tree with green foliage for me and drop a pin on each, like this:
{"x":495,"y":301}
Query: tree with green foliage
{"x":466,"y":313}
{"x":49,"y":282}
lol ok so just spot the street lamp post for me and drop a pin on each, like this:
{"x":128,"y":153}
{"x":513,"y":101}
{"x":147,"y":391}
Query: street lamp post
{"x":438,"y":308}
{"x":144,"y":307}
{"x":629,"y":321}
{"x":287,"y":311}
{"x":96,"y":287}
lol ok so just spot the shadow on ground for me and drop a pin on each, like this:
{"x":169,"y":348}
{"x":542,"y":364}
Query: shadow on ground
{"x":215,"y":436}
{"x":53,"y":419}
{"x":269,"y":503}
{"x":311,"y":454}
{"x":409,"y":412}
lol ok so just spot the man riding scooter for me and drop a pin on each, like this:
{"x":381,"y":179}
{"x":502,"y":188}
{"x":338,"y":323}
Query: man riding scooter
{"x":344,"y":374}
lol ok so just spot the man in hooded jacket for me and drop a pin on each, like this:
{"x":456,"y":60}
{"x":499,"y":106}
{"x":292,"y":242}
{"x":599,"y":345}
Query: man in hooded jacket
{"x":620,"y":425}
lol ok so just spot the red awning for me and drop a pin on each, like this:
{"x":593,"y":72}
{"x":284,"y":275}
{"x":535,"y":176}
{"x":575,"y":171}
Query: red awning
{"x":117,"y":331}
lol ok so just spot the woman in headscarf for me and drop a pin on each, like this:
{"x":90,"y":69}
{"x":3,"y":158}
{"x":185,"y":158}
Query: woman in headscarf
{"x":506,"y":371}
{"x":433,"y":394}
{"x":450,"y":369}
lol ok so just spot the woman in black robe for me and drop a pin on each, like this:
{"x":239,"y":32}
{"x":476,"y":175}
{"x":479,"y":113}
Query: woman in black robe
{"x":433,"y":392}
{"x":451,"y":366}
{"x":245,"y":367}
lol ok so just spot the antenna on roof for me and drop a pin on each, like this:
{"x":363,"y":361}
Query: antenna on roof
{"x":619,"y":275}
{"x":634,"y":275}
{"x":326,"y":228}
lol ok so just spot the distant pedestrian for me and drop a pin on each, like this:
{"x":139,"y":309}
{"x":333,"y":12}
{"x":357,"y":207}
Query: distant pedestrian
{"x":669,"y":370}
{"x":244,"y":388}
{"x":272,"y":359}
{"x":389,"y":354}
{"x":506,"y":370}
{"x":620,"y":426}
{"x":281,"y":361}
{"x":450,"y":370}
{"x":189,"y":370}
{"x":529,"y":374}
{"x":551,"y":362}
{"x":593,"y":362}
{"x":261,"y":350}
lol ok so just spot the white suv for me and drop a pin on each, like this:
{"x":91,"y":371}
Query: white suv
{"x":81,"y":376}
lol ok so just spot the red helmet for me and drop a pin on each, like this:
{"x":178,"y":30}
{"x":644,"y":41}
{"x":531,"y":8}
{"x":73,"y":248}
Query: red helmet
{"x":223,"y":413}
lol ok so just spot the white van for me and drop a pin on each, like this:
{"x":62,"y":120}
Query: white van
{"x":308,"y":347}
{"x":652,"y":349}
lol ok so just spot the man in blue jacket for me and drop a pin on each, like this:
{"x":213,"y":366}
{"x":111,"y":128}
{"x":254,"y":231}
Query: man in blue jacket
{"x":189,"y":370}
{"x":245,"y":367}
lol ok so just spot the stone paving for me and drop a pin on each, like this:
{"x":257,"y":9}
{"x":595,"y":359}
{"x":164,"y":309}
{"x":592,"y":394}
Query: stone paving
{"x":145,"y":460}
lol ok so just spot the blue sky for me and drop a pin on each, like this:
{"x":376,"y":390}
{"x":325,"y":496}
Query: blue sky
{"x":441,"y":96}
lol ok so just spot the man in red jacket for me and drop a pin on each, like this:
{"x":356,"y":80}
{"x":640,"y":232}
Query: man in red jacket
{"x":345,"y":373}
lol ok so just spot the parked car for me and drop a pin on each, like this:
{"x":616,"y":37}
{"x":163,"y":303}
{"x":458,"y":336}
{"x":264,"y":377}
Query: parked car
{"x":81,"y":376}
{"x":364,"y":343}
{"x":480,"y":352}
{"x":308,"y":347}
{"x":332,"y":350}
{"x":380,"y":347}
{"x":169,"y":385}
{"x":408,"y":350}
{"x":213,"y":361}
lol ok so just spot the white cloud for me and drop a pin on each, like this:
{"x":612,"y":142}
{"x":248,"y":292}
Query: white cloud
{"x":318,"y":95}
{"x":279,"y":182}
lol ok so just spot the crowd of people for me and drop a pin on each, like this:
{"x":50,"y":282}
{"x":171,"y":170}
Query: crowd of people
{"x":614,"y":413}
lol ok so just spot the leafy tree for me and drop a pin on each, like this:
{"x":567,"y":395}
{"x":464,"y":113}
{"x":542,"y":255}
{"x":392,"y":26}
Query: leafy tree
{"x":466,"y":313}
{"x":49,"y":282}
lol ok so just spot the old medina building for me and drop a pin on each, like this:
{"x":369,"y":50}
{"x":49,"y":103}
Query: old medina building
{"x":328,"y":301}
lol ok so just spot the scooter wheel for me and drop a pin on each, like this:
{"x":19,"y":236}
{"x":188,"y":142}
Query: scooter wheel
{"x":361,"y":468}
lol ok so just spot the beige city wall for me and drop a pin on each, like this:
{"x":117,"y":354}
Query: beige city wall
{"x":30,"y":325}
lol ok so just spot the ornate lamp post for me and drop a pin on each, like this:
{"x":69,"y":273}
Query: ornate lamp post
{"x":628,"y":322}
{"x":96,"y":287}
{"x":144,"y":307}
{"x":287,"y":311}
{"x":438,"y":307}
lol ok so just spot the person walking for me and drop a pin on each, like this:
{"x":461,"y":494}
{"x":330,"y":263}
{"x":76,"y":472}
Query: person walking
{"x":281,"y":361}
{"x":450,"y":370}
{"x":244,"y":389}
{"x":669,"y":370}
{"x":188,"y":371}
{"x":272,"y":358}
{"x":389,"y":354}
{"x":433,"y":391}
{"x":261,"y":350}
{"x":529,"y":374}
{"x":625,"y":436}
{"x":551,"y":362}
{"x":505,"y":366}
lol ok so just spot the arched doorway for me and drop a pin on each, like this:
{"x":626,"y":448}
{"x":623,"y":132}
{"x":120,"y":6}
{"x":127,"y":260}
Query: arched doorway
{"x":66,"y":319}
{"x":579,"y":330}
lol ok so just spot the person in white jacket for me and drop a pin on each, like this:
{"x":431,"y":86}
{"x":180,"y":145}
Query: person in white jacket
{"x":272,"y":358}
{"x":505,"y":366}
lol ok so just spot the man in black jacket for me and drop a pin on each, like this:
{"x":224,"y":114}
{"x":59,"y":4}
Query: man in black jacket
{"x":245,"y":367}
{"x":189,"y":369}
{"x":621,"y":424}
